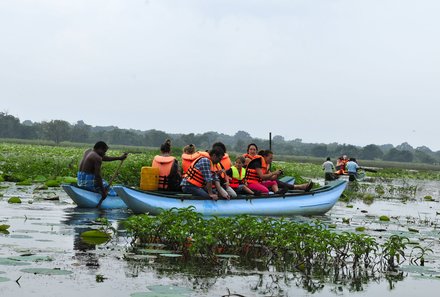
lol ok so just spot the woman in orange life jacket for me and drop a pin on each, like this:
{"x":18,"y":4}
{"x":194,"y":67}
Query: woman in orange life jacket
{"x":188,"y":156}
{"x":260,"y":178}
{"x":237,"y":181}
{"x":169,"y":175}
{"x":251,"y":152}
{"x":201,"y":176}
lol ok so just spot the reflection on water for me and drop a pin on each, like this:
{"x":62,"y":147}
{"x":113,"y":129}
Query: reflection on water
{"x":54,"y":228}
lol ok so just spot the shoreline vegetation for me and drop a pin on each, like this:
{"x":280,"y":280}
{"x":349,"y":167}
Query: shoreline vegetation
{"x":39,"y":162}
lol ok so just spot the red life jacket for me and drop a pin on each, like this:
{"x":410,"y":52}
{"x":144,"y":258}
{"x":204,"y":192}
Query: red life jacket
{"x":165,"y":164}
{"x":194,"y":176}
{"x":252,"y":176}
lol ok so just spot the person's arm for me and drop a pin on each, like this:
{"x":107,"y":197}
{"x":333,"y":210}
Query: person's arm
{"x":269,"y":175}
{"x":121,"y":157}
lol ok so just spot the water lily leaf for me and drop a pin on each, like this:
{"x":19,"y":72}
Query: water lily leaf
{"x":384,"y":218}
{"x":47,"y":271}
{"x":95,"y":240}
{"x":31,"y":258}
{"x":4,"y":279}
{"x":10,"y":262}
{"x":154,"y":251}
{"x":14,"y":200}
{"x":228,"y":256}
{"x":20,"y":236}
{"x":95,"y":233}
{"x":413,"y":230}
{"x":4,"y":227}
{"x":164,"y":291}
{"x":53,"y":183}
{"x":360,"y":229}
{"x":171,"y":255}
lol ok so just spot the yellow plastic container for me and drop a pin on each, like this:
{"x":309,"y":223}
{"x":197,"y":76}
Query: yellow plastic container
{"x":149,"y":178}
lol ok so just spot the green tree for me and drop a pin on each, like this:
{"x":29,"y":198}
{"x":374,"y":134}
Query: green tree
{"x":371,"y":152}
{"x":56,"y":130}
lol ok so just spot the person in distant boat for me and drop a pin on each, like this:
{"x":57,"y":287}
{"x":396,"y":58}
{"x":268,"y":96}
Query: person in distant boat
{"x":352,"y":168}
{"x":328,"y":168}
{"x":260,"y":178}
{"x":89,"y":174}
{"x":341,"y":164}
{"x":252,"y":150}
{"x":188,"y":156}
{"x":201,"y":175}
{"x":169,"y":175}
{"x":236,"y":174}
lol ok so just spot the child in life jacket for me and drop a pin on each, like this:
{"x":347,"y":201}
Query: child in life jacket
{"x":237,"y":174}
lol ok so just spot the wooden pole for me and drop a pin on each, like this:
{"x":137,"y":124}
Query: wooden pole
{"x":270,"y":140}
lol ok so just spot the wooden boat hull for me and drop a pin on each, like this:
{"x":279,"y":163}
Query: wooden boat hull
{"x":89,"y":199}
{"x":316,"y":202}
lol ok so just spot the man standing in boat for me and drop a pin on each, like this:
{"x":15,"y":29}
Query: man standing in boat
{"x":352,"y":168}
{"x":89,"y":173}
{"x":328,"y":168}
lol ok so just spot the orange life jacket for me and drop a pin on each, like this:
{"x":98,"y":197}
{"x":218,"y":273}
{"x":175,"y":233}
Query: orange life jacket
{"x":194,"y":176}
{"x":340,"y":166}
{"x":165,"y":164}
{"x":237,"y":177}
{"x":187,"y":160}
{"x":225,"y":163}
{"x":252,"y":176}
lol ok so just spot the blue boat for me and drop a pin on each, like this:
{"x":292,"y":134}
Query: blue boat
{"x":315,"y":202}
{"x":88,"y":199}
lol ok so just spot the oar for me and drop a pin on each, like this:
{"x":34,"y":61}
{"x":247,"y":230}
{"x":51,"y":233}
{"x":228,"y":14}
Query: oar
{"x":110,"y":182}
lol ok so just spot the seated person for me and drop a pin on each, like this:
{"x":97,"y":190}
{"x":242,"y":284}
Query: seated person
{"x":201,"y":176}
{"x":89,"y":173}
{"x":251,"y":152}
{"x":188,"y":156}
{"x":260,"y":178}
{"x":237,"y":174}
{"x":169,"y":176}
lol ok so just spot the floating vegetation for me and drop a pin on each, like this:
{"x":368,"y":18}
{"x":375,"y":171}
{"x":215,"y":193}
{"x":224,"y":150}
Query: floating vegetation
{"x":47,"y":271}
{"x":428,"y":198}
{"x":384,"y":218}
{"x":4,"y":227}
{"x":277,"y":241}
{"x":165,"y":291}
{"x":11,"y":262}
{"x":14,"y":200}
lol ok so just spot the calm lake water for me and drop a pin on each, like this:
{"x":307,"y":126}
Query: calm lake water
{"x":45,"y":234}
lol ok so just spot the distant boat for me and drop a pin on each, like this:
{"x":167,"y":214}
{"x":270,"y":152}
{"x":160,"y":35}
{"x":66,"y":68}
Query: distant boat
{"x":88,"y":199}
{"x":315,"y":202}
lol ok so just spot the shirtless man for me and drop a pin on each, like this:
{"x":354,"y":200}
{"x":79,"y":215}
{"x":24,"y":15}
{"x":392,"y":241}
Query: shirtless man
{"x":89,"y":173}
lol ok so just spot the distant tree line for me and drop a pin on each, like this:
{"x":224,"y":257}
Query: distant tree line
{"x":59,"y":131}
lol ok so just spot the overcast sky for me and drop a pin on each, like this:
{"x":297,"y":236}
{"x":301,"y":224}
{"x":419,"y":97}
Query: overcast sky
{"x":355,"y":72}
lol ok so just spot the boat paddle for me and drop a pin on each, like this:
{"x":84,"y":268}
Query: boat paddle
{"x":110,"y":183}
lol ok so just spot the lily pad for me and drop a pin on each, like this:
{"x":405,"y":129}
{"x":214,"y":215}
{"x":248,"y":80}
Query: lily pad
{"x":9,"y":262}
{"x":31,"y":258}
{"x":384,"y":218}
{"x":228,"y":256}
{"x":4,"y":227}
{"x":154,"y":251}
{"x":164,"y":291}
{"x":413,"y":230}
{"x":53,"y":183}
{"x":360,"y":229}
{"x":4,"y":279}
{"x":171,"y":255}
{"x":95,"y":240}
{"x":14,"y":200}
{"x":47,"y":271}
{"x":95,"y":233}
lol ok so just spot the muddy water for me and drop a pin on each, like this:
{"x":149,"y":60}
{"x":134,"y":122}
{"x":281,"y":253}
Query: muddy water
{"x":45,"y":234}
